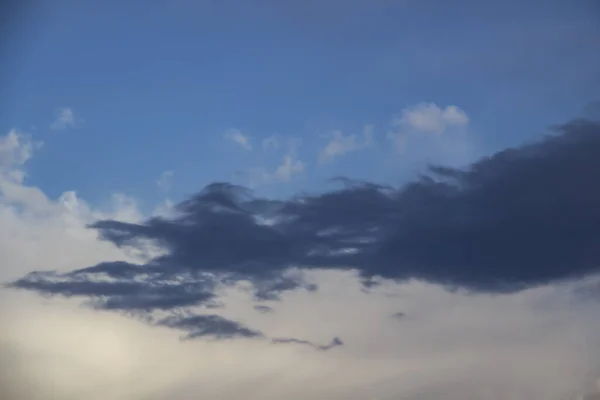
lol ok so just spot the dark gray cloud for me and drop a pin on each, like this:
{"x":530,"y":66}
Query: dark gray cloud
{"x":399,"y":315}
{"x":335,"y":342}
{"x":208,"y":325}
{"x":263,"y":309}
{"x":524,"y":216}
{"x":126,"y":291}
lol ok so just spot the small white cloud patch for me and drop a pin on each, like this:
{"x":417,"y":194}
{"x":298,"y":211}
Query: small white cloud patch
{"x":438,"y":134}
{"x":164,"y":181}
{"x":430,"y":118}
{"x":289,"y":166}
{"x":340,"y":144}
{"x":239,"y":138}
{"x":65,"y":118}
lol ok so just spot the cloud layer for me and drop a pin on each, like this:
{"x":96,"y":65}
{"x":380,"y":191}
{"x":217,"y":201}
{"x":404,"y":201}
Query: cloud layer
{"x":538,"y":343}
{"x":521,"y":217}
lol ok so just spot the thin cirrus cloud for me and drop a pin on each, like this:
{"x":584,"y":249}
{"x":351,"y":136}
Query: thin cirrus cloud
{"x":522,"y":217}
{"x":65,"y":118}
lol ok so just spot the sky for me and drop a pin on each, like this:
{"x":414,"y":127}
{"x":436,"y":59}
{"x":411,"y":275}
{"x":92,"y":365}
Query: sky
{"x":329,"y":199}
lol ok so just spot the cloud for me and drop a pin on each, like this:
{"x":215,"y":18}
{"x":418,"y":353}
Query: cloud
{"x":209,"y":325}
{"x":399,"y":315}
{"x":524,"y":216}
{"x":239,"y":138}
{"x":427,"y":123}
{"x":430,"y":118}
{"x":335,"y":342}
{"x":65,"y":118}
{"x":289,"y":167}
{"x":340,"y":144}
{"x":520,"y":218}
{"x":164,"y":181}
{"x":263,"y":309}
{"x":16,"y":149}
{"x":499,"y":224}
{"x":22,"y":203}
{"x":453,"y":346}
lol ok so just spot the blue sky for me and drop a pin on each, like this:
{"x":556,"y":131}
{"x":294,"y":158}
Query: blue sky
{"x":154,"y":86}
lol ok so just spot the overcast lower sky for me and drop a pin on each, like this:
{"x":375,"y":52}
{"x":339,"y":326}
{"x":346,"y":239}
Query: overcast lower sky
{"x":370,"y":200}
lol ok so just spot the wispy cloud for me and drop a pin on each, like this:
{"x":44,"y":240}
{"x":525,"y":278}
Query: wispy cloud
{"x":289,"y":166}
{"x":164,"y":181}
{"x":236,"y":136}
{"x":340,"y":144}
{"x":335,"y":342}
{"x":271,"y":143}
{"x":263,"y":309}
{"x":209,"y":325}
{"x":65,"y":118}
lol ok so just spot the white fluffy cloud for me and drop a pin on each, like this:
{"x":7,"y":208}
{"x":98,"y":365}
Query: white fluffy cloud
{"x":340,"y":144}
{"x":15,"y":149}
{"x":65,"y":118}
{"x":539,"y":344}
{"x":430,"y":118}
{"x":236,"y":136}
{"x":433,"y":133}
